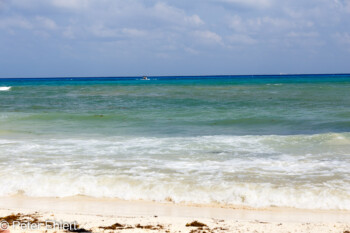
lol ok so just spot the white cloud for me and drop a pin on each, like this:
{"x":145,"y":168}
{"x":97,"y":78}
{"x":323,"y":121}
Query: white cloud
{"x":100,"y":30}
{"x":46,"y":23}
{"x":343,"y":4}
{"x":194,"y":19}
{"x":252,"y":3}
{"x":237,"y":23}
{"x":15,"y":23}
{"x":120,"y":20}
{"x":294,"y":34}
{"x":342,"y":38}
{"x":241,"y":39}
{"x":132,"y":32}
{"x":71,"y":4}
{"x":264,"y":24}
{"x":168,"y":13}
{"x":276,"y":22}
{"x":180,"y":28}
{"x":208,"y":37}
{"x":191,"y":51}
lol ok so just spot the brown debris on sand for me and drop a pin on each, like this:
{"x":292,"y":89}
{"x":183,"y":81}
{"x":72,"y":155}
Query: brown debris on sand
{"x":22,"y":218}
{"x":118,"y":226}
{"x":115,"y":226}
{"x":196,"y":224}
{"x":150,"y":227}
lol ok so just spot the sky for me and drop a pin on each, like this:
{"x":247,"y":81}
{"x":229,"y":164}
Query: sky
{"x":70,"y":38}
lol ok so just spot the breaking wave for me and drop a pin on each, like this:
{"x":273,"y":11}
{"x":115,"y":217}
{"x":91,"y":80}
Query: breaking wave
{"x":5,"y":88}
{"x":302,"y":171}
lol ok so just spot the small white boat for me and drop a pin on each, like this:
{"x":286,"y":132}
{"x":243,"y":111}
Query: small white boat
{"x":5,"y":88}
{"x":145,"y":78}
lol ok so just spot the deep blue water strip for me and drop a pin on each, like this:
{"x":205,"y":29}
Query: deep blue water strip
{"x":284,"y":76}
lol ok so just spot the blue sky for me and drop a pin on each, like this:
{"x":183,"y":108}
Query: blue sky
{"x":46,"y":38}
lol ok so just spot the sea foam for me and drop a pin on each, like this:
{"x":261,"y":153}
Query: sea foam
{"x":302,"y":171}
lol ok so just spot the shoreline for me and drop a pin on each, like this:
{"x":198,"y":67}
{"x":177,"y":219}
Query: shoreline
{"x":92,"y":213}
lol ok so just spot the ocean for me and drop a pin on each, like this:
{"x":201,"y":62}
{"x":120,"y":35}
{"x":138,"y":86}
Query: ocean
{"x":255,"y":141}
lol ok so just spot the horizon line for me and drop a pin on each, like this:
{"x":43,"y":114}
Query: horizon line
{"x":175,"y":76}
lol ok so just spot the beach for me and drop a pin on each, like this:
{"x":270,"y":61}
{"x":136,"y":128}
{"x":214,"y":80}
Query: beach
{"x":218,"y":154}
{"x":209,"y":116}
{"x":139,"y":216}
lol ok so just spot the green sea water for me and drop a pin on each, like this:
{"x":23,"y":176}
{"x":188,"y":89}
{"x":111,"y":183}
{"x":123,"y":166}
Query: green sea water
{"x":251,"y":140}
{"x":245,"y":106}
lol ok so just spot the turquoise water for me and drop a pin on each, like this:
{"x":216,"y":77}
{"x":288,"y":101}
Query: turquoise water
{"x":251,"y":140}
{"x":180,"y":107}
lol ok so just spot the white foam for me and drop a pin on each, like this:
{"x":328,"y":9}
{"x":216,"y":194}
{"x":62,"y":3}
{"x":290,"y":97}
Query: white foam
{"x":5,"y":88}
{"x":293,"y":171}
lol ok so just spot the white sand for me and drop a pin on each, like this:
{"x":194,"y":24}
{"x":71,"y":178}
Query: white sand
{"x":93,"y":213}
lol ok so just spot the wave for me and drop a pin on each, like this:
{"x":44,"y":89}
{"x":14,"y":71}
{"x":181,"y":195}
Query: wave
{"x":302,"y":171}
{"x":5,"y":88}
{"x":247,"y":194}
